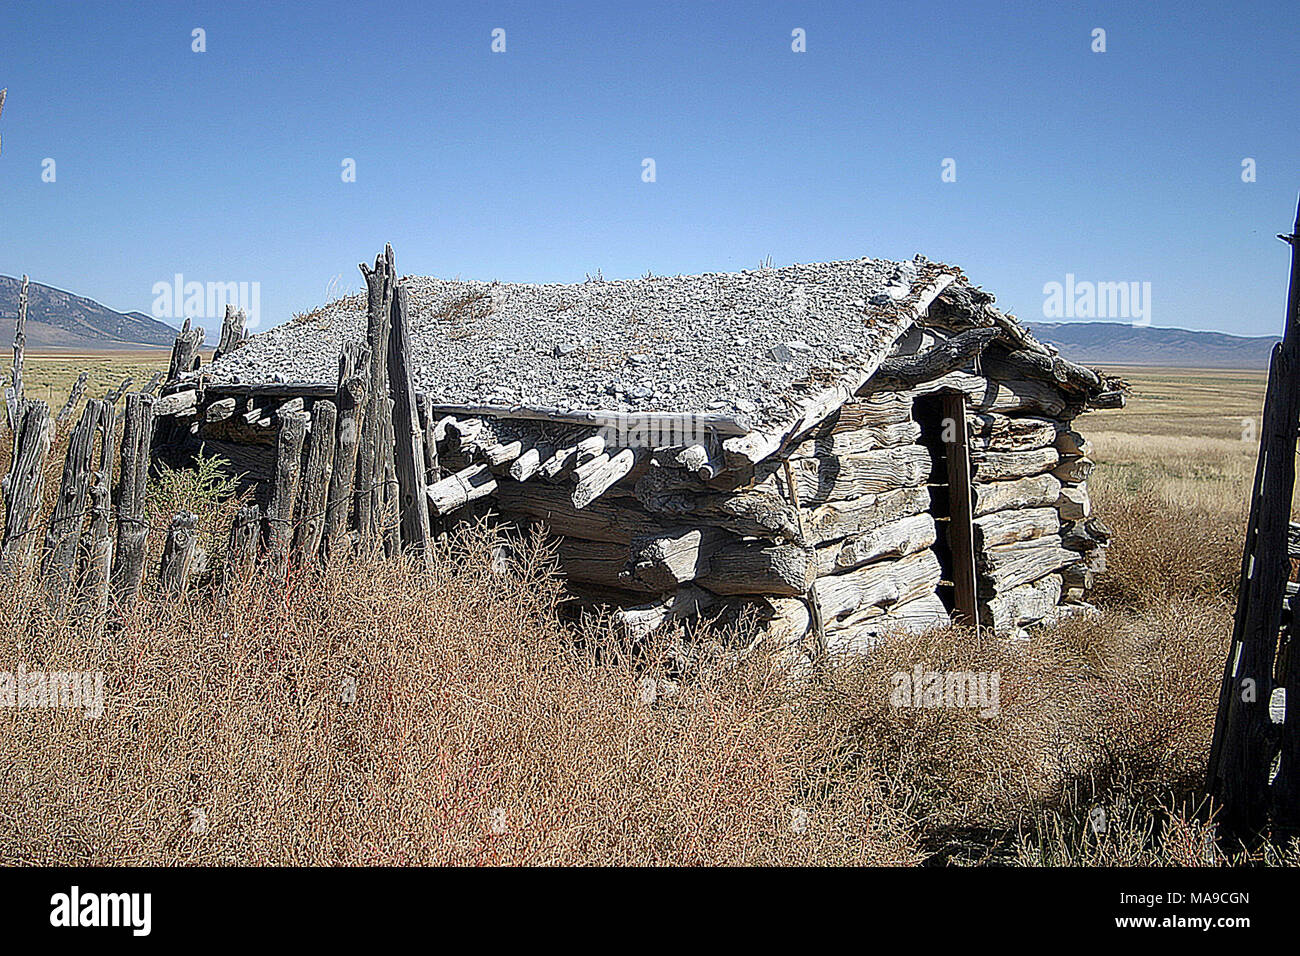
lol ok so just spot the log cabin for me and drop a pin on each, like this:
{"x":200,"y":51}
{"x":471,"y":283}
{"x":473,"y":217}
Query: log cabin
{"x":836,"y":449}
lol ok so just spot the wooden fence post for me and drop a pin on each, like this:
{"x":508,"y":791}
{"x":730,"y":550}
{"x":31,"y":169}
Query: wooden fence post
{"x":99,"y":550}
{"x":14,"y":399}
{"x":432,"y":467}
{"x":113,"y":394}
{"x":316,"y":479}
{"x":354,"y":378}
{"x":178,"y":554}
{"x":70,"y":506}
{"x":25,"y":483}
{"x":98,"y":539}
{"x":432,"y":471}
{"x":412,"y":481}
{"x":185,"y":351}
{"x":390,"y":529}
{"x":108,"y":437}
{"x":1245,"y":738}
{"x":132,"y":528}
{"x":74,"y":396}
{"x":245,"y":535}
{"x":374,"y":451}
{"x":233,"y":333}
{"x":284,"y":489}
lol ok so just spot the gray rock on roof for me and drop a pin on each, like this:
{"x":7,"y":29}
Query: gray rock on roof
{"x":742,"y":345}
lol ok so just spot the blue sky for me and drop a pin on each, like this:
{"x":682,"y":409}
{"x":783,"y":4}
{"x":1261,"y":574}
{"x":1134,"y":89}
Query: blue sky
{"x":527,"y":165}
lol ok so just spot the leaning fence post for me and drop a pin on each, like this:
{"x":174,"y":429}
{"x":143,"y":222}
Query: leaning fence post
{"x":132,"y":528}
{"x":74,"y":396}
{"x":25,"y":483}
{"x":113,"y":394}
{"x":413,"y":502}
{"x":1245,"y":742}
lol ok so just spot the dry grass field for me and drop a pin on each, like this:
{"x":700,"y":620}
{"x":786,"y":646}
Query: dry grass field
{"x":363,"y":714}
{"x":49,"y":374}
{"x":1188,"y":435}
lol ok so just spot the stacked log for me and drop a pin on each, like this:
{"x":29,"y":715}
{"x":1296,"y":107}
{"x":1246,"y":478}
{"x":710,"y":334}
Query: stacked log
{"x":844,"y":529}
{"x":1081,"y":533}
{"x":1029,"y":491}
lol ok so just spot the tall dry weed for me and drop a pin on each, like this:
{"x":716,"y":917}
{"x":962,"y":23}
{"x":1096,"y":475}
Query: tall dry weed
{"x":373,"y":715}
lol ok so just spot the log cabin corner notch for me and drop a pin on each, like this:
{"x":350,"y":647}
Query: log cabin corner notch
{"x":781,"y":439}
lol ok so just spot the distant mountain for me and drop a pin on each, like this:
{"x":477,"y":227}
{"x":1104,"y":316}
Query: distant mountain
{"x":1116,"y":343}
{"x":58,"y":319}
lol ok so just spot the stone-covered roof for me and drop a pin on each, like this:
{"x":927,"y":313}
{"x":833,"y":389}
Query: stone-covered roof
{"x":752,"y":346}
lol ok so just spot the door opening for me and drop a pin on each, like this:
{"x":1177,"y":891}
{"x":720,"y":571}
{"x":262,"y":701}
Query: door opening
{"x":944,"y":432}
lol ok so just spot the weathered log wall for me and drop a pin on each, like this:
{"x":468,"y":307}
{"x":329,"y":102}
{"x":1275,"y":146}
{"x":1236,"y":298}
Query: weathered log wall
{"x":1035,"y":551}
{"x":842,"y":534}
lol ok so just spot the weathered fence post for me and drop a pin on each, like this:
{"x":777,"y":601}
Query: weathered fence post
{"x":284,"y":488}
{"x":372,"y":472}
{"x":70,"y":506}
{"x":132,"y":528}
{"x":185,"y":351}
{"x":233,"y":332}
{"x":14,"y":399}
{"x":1286,"y":786}
{"x":412,"y":482}
{"x":245,"y":534}
{"x":113,"y":394}
{"x":98,"y":547}
{"x":390,"y":525}
{"x":1245,"y":739}
{"x":25,"y":483}
{"x":354,"y":378}
{"x":432,"y":467}
{"x":316,"y":479}
{"x":178,"y":554}
{"x":108,"y":438}
{"x":432,"y":472}
{"x":74,"y":396}
{"x":99,"y":550}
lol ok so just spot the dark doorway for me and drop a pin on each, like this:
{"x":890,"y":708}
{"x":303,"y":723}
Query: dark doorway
{"x":944,"y":433}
